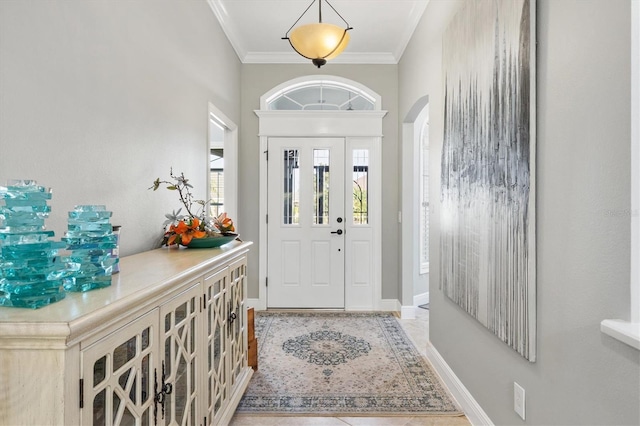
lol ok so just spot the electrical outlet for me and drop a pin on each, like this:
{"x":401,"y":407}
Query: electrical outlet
{"x":518,"y":399}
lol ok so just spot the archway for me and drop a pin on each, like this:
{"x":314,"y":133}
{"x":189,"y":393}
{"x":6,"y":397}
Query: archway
{"x":415,"y":274}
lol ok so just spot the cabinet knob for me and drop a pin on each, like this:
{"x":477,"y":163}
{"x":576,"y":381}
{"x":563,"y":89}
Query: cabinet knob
{"x":167,"y":388}
{"x":160,"y":397}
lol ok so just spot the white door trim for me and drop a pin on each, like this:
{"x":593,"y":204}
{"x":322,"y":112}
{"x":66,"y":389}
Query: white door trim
{"x":349,"y":124}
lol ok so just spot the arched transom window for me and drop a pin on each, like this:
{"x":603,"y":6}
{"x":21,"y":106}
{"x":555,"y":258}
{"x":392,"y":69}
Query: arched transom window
{"x":321,"y":95}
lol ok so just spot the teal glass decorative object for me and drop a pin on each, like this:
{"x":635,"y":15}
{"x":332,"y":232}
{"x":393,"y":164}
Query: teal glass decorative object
{"x":90,"y":241}
{"x":115,"y":253}
{"x":31,"y":273}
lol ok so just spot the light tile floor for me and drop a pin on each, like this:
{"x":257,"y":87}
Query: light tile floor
{"x":418,"y":330}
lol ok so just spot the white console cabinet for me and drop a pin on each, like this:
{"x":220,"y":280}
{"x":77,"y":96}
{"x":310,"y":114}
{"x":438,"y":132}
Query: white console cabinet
{"x":166,"y":344}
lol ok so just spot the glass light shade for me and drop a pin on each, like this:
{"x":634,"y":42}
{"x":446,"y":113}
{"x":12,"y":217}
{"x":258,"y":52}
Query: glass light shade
{"x":319,"y":40}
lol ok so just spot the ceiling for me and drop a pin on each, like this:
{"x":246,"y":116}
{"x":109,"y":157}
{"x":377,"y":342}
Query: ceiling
{"x":381,"y":28}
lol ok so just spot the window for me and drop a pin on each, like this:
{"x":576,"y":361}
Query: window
{"x":291,"y":193}
{"x":629,"y":331}
{"x":360,"y":185}
{"x":635,"y":161}
{"x":321,"y":186}
{"x":216,"y":169}
{"x":424,"y":194}
{"x":321,"y":96}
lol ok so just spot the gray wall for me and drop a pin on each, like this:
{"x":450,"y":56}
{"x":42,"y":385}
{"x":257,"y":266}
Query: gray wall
{"x":257,"y":79}
{"x":583,"y":259}
{"x":99,"y":98}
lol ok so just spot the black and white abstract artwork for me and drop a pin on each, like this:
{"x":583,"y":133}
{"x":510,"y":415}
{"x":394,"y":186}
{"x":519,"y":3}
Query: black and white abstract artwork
{"x":487,"y":235}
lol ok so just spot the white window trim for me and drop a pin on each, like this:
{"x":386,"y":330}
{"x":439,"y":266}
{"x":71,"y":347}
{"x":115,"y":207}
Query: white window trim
{"x":230,"y":161}
{"x":629,"y":331}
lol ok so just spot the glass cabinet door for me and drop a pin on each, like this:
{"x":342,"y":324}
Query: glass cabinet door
{"x":117,"y":373}
{"x":178,"y":364}
{"x":217,"y":314}
{"x":237,"y":320}
{"x":178,"y":382}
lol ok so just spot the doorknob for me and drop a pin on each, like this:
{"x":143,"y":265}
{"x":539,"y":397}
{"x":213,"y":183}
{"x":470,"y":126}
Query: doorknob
{"x":339,"y":232}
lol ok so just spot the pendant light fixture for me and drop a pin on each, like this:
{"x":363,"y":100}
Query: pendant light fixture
{"x":320,"y":41}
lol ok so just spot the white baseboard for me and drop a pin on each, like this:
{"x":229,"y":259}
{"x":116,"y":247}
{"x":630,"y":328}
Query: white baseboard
{"x":469,"y":405}
{"x":392,"y":305}
{"x":421,"y":299}
{"x":408,"y":312}
{"x":256,"y":304}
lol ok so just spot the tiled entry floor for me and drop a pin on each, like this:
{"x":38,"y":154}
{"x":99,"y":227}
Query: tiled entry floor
{"x":418,"y":331}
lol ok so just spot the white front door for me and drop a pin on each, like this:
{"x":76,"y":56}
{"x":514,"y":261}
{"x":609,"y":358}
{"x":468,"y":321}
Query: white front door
{"x":306,"y":218}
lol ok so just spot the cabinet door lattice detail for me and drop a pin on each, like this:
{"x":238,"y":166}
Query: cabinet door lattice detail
{"x":180,"y":340}
{"x":217,"y":354}
{"x":118,"y":372}
{"x":237,"y":336}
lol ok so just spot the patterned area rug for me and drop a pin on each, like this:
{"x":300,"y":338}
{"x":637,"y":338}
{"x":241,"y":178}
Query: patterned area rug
{"x":336,"y":363}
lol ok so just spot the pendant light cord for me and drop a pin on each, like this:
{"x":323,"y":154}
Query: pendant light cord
{"x":334,"y":9}
{"x":298,"y":20}
{"x":319,"y":16}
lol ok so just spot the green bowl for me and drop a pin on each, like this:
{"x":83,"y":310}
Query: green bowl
{"x":211,"y":242}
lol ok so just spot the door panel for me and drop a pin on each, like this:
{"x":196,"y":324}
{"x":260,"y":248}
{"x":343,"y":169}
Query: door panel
{"x":290,"y":263}
{"x":306,"y":222}
{"x":321,"y":268}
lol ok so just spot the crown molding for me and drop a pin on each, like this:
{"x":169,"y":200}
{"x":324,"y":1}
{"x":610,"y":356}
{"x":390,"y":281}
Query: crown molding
{"x":378,"y":58}
{"x":223,"y":18}
{"x":416,"y":15}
